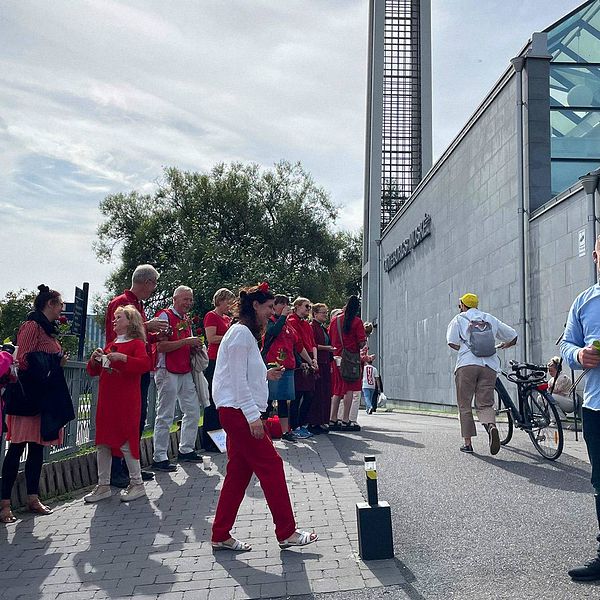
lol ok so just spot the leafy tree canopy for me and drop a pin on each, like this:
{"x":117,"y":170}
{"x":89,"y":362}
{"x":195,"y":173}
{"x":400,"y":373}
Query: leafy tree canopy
{"x":233,"y":226}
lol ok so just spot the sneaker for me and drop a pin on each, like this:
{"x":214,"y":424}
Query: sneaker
{"x":494,"y":439}
{"x":164,"y":465}
{"x":147,"y":476}
{"x":588,"y":572}
{"x":189,"y":457}
{"x":467,"y":448}
{"x":301,"y":433}
{"x":369,"y":411}
{"x":100,"y":492}
{"x":288,"y":436}
{"x":306,"y":431}
{"x":133,"y":492}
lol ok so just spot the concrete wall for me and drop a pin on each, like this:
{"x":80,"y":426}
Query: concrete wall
{"x":471,"y":196}
{"x":557,"y":272}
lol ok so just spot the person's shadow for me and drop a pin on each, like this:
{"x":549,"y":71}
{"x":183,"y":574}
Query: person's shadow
{"x":288,"y":578}
{"x":122,"y":541}
{"x":27,"y":561}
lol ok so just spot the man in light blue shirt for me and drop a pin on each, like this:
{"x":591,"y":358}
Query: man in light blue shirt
{"x":581,"y":330}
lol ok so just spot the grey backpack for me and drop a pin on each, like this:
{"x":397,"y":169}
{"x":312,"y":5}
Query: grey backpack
{"x":481,"y":341}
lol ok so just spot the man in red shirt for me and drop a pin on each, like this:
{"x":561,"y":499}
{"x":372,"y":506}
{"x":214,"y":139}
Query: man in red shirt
{"x":143,"y":284}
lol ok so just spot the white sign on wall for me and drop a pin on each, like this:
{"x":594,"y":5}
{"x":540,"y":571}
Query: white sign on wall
{"x":581,"y":242}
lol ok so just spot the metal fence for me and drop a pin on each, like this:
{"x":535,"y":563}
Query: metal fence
{"x":80,"y":433}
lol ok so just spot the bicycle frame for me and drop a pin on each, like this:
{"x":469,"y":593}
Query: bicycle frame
{"x":523,"y":388}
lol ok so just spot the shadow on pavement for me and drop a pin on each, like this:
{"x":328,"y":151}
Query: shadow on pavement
{"x":572,"y":478}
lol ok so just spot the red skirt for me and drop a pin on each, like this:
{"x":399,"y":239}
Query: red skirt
{"x":340,"y":386}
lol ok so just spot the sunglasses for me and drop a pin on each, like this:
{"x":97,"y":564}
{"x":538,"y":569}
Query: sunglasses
{"x":307,"y":306}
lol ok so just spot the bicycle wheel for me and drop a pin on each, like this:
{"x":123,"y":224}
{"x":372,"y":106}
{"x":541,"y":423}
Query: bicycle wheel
{"x":546,"y":429}
{"x":504,"y":420}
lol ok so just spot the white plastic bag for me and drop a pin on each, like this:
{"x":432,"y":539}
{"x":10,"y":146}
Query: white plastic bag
{"x":381,"y":400}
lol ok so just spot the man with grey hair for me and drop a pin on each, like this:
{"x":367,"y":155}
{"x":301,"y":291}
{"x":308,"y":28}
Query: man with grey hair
{"x":143,"y":284}
{"x":174,"y":382}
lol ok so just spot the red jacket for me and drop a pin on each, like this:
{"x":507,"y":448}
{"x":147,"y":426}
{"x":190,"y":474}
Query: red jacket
{"x":304,"y":331}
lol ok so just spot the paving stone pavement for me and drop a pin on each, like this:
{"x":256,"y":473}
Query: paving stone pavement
{"x":160,"y":547}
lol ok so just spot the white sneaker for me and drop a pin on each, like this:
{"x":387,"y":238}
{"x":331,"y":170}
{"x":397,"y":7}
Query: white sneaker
{"x":100,"y":492}
{"x":133,"y":492}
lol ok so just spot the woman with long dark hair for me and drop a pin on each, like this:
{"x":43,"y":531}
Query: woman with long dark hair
{"x":240,"y":392}
{"x":38,"y":334}
{"x":346,"y":332}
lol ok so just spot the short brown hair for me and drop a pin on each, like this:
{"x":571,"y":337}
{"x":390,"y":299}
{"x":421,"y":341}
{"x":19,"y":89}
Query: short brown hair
{"x":281,"y":299}
{"x":319,"y":306}
{"x":135,"y":327}
{"x":221,"y":295}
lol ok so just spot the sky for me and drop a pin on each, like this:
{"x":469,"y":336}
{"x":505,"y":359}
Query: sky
{"x":98,"y":96}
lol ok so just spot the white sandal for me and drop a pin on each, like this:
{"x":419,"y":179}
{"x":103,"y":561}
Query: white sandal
{"x":232,"y":544}
{"x":304,"y":538}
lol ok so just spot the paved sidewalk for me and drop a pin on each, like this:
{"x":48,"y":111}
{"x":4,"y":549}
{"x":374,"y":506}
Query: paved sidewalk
{"x":160,"y":547}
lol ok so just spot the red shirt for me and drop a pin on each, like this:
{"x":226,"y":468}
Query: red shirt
{"x":286,"y":342}
{"x":304,"y":331}
{"x":222,"y":323}
{"x":127,"y":297}
{"x":352,"y":339}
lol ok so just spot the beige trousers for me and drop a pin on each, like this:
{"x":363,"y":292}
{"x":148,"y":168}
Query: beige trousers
{"x":475,"y":381}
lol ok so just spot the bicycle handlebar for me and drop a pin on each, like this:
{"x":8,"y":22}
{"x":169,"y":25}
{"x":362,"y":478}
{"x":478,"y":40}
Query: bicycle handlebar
{"x":537,"y":372}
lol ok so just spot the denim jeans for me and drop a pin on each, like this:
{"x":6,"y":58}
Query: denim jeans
{"x":591,"y":435}
{"x":368,"y":394}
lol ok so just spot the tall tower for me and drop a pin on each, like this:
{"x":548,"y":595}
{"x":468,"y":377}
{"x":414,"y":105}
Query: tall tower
{"x":398,"y":137}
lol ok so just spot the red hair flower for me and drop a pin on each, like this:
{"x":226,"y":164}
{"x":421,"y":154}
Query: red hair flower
{"x":263,"y":287}
{"x":63,"y":320}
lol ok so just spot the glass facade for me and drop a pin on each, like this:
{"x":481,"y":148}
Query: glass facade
{"x":574,"y":44}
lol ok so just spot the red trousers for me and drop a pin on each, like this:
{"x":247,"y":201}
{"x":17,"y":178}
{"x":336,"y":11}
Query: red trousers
{"x":247,"y":456}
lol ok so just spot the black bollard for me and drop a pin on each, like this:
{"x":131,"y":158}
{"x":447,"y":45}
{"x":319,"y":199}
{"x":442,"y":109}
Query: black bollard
{"x":374,"y":518}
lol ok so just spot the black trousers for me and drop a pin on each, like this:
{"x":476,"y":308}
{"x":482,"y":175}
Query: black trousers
{"x":299,"y":408}
{"x":591,"y":435}
{"x":33,"y":467}
{"x":211,"y":416}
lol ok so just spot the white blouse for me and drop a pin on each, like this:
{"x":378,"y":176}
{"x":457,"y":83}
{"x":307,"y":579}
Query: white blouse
{"x":240,"y":379}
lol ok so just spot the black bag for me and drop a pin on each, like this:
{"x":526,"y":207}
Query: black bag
{"x":18,"y":402}
{"x":350,"y":365}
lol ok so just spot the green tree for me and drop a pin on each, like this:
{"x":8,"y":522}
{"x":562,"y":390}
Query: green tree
{"x":13,"y":311}
{"x":235,"y":225}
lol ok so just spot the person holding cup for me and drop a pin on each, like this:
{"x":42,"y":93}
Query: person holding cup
{"x":240,"y":392}
{"x":120,"y":366}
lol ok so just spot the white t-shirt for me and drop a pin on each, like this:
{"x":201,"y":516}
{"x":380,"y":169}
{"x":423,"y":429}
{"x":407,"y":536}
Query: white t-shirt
{"x":457,"y":334}
{"x":240,"y":379}
{"x":369,"y":376}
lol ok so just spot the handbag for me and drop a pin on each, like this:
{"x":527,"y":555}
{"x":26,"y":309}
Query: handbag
{"x":350,"y":365}
{"x":18,"y":402}
{"x":199,"y":361}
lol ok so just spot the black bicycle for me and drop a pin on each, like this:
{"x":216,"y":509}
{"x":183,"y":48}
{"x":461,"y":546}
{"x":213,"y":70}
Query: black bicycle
{"x":536,"y":414}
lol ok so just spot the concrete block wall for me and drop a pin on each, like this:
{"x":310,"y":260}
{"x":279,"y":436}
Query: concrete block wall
{"x":557,"y":273}
{"x":472,"y":200}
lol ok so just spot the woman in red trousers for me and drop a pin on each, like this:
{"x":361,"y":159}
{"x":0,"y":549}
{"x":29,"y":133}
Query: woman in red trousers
{"x":120,"y":366}
{"x":240,"y":392}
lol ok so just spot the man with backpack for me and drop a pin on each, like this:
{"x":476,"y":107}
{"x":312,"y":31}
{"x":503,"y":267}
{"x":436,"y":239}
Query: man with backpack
{"x":473,"y":334}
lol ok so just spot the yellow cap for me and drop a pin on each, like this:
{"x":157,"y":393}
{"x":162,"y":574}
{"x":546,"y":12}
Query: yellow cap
{"x":470,"y":300}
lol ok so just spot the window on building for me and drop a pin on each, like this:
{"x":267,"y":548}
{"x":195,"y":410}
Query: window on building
{"x":574,"y":44}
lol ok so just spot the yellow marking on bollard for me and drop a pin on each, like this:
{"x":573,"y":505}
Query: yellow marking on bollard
{"x":371,"y":474}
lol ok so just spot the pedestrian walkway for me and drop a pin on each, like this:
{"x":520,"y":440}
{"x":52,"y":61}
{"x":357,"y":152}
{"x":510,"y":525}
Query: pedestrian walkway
{"x":160,"y":547}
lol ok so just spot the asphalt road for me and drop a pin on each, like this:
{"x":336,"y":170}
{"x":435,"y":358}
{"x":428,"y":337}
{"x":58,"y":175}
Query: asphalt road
{"x":475,"y":526}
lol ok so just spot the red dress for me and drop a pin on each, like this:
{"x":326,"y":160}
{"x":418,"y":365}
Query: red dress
{"x":119,"y":397}
{"x":352,"y":342}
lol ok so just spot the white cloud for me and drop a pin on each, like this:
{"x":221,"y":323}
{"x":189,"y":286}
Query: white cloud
{"x":97,"y":96}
